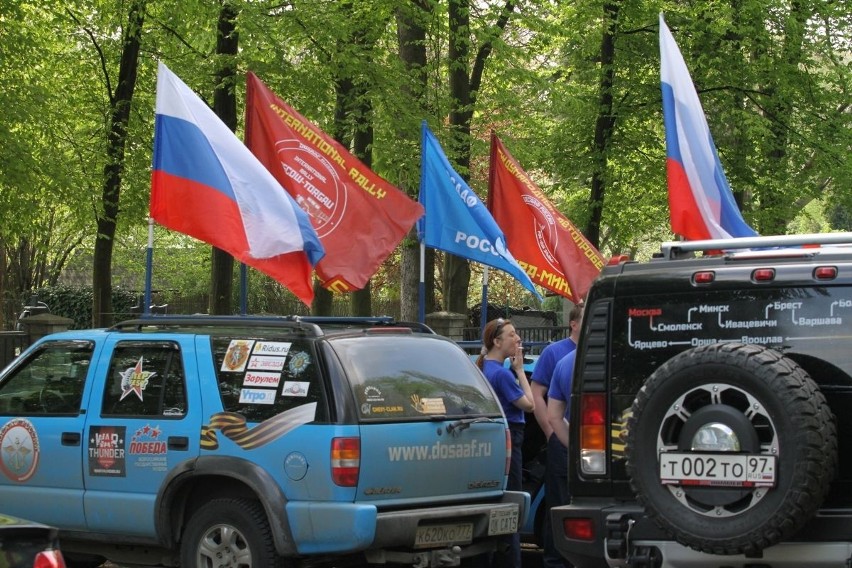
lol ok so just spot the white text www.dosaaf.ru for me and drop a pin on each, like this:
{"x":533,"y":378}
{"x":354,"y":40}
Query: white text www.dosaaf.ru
{"x":439,"y":451}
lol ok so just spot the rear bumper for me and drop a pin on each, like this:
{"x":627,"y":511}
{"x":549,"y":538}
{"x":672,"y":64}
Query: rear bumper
{"x":397,"y":528}
{"x":329,"y":528}
{"x":621,"y":536}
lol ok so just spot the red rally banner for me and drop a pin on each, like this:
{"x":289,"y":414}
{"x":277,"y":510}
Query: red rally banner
{"x":554,"y":253}
{"x":360,"y":218}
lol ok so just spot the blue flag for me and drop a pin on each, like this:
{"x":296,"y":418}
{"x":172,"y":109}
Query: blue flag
{"x":456,"y":220}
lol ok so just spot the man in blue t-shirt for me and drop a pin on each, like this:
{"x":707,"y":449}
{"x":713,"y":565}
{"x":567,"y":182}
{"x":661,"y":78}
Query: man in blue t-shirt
{"x":558,"y":414}
{"x":540,"y":383}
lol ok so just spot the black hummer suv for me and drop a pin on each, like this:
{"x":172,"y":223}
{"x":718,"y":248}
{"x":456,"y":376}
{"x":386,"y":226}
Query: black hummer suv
{"x":710,"y":395}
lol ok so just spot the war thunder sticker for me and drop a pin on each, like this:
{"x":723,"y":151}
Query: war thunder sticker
{"x":19,"y":450}
{"x":237,"y":355}
{"x":107,"y":451}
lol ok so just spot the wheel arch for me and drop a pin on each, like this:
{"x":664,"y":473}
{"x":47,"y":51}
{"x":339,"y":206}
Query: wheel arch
{"x":196,"y":482}
{"x":821,"y":371}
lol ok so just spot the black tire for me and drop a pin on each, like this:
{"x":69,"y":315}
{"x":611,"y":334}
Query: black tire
{"x":773,"y":408}
{"x":229,"y":533}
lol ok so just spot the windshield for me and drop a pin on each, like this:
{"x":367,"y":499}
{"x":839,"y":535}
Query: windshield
{"x":413,"y":377}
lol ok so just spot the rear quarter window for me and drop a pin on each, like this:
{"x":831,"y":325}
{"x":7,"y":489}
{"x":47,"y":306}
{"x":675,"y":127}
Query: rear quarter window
{"x":413,"y":377}
{"x":263,"y":377}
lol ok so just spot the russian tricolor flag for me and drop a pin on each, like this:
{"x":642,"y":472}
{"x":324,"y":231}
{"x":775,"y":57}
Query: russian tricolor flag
{"x":700,"y":201}
{"x":207,"y":184}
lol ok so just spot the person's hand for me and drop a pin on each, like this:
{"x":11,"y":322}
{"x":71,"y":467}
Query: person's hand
{"x":518,"y":358}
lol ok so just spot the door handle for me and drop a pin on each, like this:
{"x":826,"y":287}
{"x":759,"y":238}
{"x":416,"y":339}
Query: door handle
{"x":178,"y":443}
{"x":70,"y":438}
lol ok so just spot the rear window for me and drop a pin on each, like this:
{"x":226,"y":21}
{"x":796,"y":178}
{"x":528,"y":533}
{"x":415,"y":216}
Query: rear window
{"x":413,"y":377}
{"x":263,"y":377}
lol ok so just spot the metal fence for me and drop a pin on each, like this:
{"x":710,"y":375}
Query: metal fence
{"x":534,"y":339}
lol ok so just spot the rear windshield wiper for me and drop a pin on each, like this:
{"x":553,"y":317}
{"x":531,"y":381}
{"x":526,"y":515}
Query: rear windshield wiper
{"x":465,"y":423}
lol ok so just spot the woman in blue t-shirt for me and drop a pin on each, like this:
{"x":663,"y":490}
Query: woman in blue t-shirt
{"x":499,"y":342}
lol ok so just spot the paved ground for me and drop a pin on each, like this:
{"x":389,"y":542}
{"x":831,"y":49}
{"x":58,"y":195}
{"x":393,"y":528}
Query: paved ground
{"x":530,"y":557}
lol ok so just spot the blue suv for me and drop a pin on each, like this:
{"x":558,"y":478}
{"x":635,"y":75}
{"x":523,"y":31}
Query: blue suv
{"x":251,"y":441}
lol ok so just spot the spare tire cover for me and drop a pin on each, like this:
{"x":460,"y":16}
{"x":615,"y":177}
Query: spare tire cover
{"x":731,"y":447}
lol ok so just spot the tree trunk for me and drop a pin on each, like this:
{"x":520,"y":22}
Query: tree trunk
{"x":604,"y":124}
{"x":120,"y":101}
{"x":322,"y":303}
{"x":411,"y":35}
{"x":225,"y":106}
{"x":361,"y":302}
{"x":456,"y":269}
{"x":463,"y":94}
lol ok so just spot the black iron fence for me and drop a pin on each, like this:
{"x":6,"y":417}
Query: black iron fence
{"x":534,"y":338}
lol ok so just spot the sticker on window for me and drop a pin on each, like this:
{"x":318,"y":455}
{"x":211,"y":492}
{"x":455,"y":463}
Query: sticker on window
{"x":135,"y":380}
{"x":279,"y":348}
{"x":428,"y":405}
{"x":295,"y":388}
{"x":257,"y":396}
{"x":237,"y":355}
{"x":299,"y":361}
{"x":266,"y":363}
{"x":373,"y":394}
{"x":258,"y":379}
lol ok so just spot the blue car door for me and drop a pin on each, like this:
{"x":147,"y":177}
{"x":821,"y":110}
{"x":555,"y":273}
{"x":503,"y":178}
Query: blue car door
{"x":144,"y":423}
{"x":42,"y":418}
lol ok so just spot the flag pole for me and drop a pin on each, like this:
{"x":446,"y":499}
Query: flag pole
{"x":421,"y":289}
{"x":483,"y":315}
{"x":149,"y":268}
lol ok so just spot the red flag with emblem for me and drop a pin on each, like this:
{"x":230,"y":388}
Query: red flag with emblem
{"x":545,"y":243}
{"x":360,"y":218}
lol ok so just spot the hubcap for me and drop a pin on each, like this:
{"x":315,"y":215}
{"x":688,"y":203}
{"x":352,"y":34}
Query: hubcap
{"x":718,"y":418}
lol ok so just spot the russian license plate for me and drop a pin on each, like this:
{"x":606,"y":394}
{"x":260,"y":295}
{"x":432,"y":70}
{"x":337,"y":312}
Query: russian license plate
{"x":440,"y":535}
{"x":730,"y":470}
{"x":503,"y":521}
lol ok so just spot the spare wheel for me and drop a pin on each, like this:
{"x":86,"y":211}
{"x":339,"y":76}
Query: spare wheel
{"x":730,"y":447}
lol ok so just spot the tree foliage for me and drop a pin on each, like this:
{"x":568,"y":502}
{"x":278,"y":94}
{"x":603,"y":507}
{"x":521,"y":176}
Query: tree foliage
{"x":573,"y":89}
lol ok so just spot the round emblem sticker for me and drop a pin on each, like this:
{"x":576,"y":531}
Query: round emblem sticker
{"x":19,"y":450}
{"x":299,"y":362}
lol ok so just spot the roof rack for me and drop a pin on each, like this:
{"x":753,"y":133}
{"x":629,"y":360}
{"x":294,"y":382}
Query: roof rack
{"x":308,"y":324}
{"x":204,"y":320}
{"x":673,"y":250}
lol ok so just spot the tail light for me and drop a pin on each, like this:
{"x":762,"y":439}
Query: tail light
{"x":345,"y":461}
{"x":508,"y":451}
{"x":579,"y":529}
{"x":49,"y":559}
{"x":593,"y":433}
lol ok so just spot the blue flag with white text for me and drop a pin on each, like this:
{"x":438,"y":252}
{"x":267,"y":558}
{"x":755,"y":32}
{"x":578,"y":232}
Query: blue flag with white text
{"x":456,"y":220}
